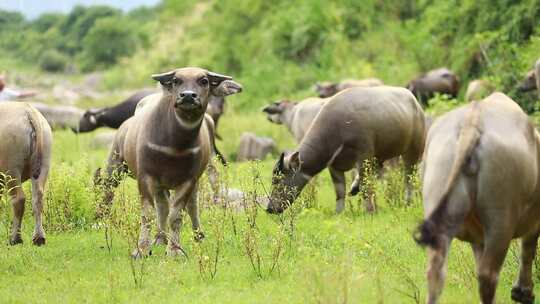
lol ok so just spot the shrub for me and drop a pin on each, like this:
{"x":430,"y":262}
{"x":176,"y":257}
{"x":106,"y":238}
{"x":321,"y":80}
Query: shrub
{"x":109,"y":39}
{"x":53,"y":61}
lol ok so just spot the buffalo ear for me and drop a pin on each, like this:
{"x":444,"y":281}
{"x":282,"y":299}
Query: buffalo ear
{"x":164,"y":78}
{"x":293,"y":161}
{"x":267,"y":109}
{"x":226,"y":88}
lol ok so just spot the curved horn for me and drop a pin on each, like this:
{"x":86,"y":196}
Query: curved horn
{"x":216,"y":79}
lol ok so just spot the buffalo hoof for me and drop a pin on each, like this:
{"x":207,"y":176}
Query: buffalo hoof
{"x":354,"y":191}
{"x":175,"y":251}
{"x":522,"y":295}
{"x":199,"y":236}
{"x":38,"y":240}
{"x":16,"y":240}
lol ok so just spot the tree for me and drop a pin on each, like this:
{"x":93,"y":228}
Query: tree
{"x":108,"y":40}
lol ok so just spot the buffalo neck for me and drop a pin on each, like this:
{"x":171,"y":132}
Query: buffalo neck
{"x":318,"y":148}
{"x":111,"y":119}
{"x":167,"y":130}
{"x":288,"y":117}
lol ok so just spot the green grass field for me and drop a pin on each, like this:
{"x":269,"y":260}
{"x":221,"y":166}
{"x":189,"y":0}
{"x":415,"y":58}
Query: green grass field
{"x":307,"y":255}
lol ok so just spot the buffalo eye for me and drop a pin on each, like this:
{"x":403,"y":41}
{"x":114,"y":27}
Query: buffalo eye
{"x":176,"y":81}
{"x":204,"y":81}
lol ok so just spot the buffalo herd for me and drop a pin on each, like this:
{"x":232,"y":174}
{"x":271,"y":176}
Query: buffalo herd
{"x":479,"y":163}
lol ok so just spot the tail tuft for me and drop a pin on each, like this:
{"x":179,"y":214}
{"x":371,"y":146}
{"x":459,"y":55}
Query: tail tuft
{"x":426,"y":234}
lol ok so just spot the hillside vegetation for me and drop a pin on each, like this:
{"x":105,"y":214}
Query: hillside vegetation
{"x":280,"y":49}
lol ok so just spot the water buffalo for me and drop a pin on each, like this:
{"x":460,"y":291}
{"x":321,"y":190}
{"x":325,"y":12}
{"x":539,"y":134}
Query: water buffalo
{"x":328,"y":89}
{"x":481,"y":184}
{"x":478,"y":89}
{"x":355,"y":125}
{"x":297,"y":117}
{"x":440,"y":80}
{"x":167,"y":146}
{"x":27,"y":156}
{"x":111,"y":117}
{"x":532,"y":80}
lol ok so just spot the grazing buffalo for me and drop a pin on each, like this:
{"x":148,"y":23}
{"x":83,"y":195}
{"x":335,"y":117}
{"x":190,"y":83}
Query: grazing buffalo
{"x":478,"y":89}
{"x":481,"y":184}
{"x":167,"y":146}
{"x":532,"y":80}
{"x":356,"y":125}
{"x":440,"y":80}
{"x":297,"y":117}
{"x":329,"y":89}
{"x":111,"y":117}
{"x":25,"y":153}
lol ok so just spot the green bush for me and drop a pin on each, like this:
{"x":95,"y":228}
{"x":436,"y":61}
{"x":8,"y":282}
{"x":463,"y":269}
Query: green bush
{"x":107,"y":41}
{"x":53,"y":61}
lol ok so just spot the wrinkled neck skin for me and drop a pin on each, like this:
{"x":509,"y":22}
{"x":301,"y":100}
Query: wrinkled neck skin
{"x":175,"y":128}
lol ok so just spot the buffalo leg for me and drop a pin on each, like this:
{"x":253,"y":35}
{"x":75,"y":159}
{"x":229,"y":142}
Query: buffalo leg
{"x":437,"y":263}
{"x":495,"y":249}
{"x":523,"y":290}
{"x":478,"y":250}
{"x":192,"y":208}
{"x":213,"y":178}
{"x":17,"y":203}
{"x":162,"y":210}
{"x":355,"y":186}
{"x":37,"y":207}
{"x":408,"y":171}
{"x":143,"y":246}
{"x":369,"y":191}
{"x":182,"y":194}
{"x":358,"y":174}
{"x":338,"y":178}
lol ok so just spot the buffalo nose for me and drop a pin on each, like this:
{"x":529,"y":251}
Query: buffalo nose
{"x":189,"y":95}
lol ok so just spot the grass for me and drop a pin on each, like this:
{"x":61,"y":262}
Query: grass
{"x":309,"y":255}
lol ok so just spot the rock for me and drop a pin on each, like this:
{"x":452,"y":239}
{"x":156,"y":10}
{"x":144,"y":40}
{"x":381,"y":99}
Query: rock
{"x":253,"y":147}
{"x":59,"y":117}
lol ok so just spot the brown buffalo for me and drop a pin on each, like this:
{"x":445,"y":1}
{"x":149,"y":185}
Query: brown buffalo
{"x":440,"y":80}
{"x":356,"y":125}
{"x":167,"y":146}
{"x":481,"y":184}
{"x":329,"y":89}
{"x":25,"y":153}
